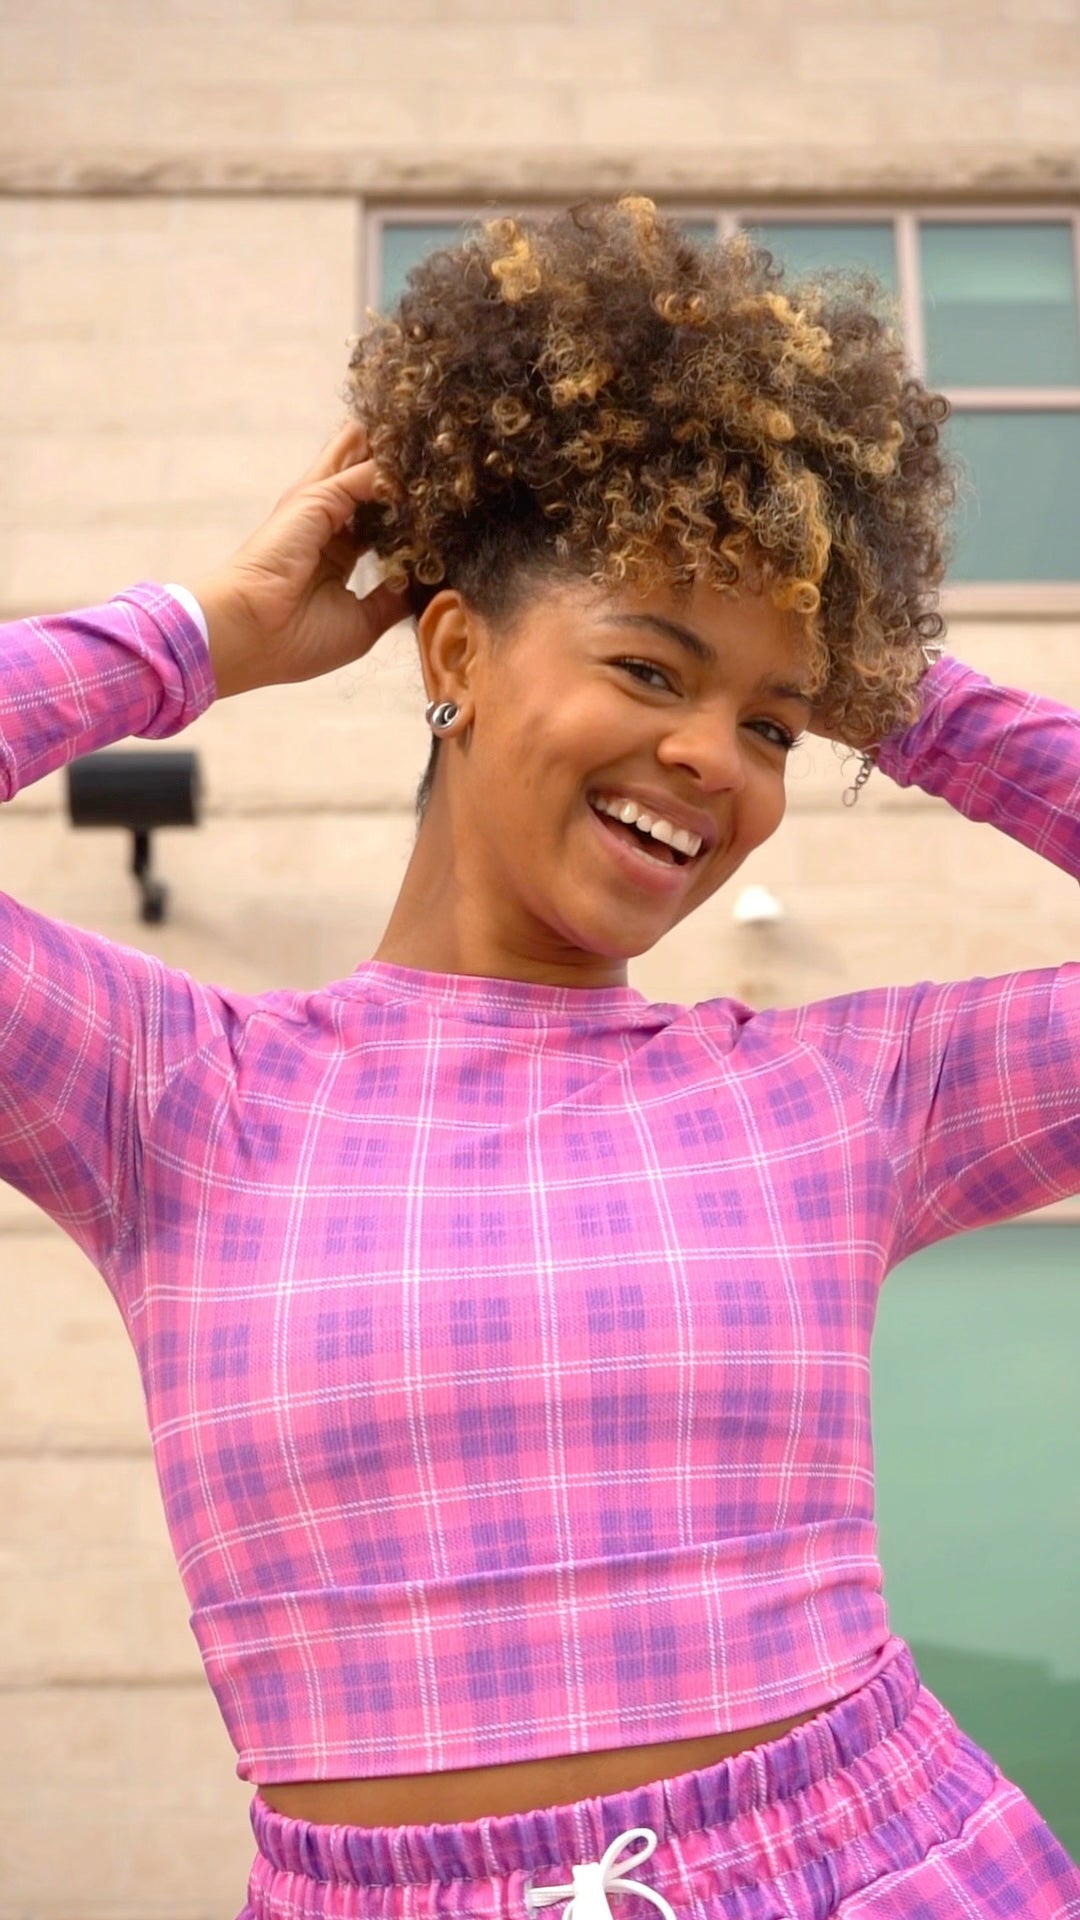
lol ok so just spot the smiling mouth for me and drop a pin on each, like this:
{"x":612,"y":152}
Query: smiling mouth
{"x":642,"y":840}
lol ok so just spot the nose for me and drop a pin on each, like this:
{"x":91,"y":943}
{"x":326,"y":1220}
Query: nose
{"x":706,"y":745}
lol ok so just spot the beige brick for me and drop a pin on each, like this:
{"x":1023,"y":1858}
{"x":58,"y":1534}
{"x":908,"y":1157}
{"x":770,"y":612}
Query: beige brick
{"x":122,"y":1804}
{"x":262,"y":47}
{"x":747,"y":115}
{"x":136,"y":267}
{"x":880,"y":54}
{"x":18,"y":1216}
{"x":1063,"y":11}
{"x":331,"y":114}
{"x":587,"y":56}
{"x":229,"y":116}
{"x":493,"y":115}
{"x":213,"y":317}
{"x":889,"y":898}
{"x":498,"y":13}
{"x":124,"y":471}
{"x":1034,"y":45}
{"x":251,"y":467}
{"x":292,"y":901}
{"x":700,"y":55}
{"x":159,"y":386}
{"x":113,"y":470}
{"x":356,"y":740}
{"x":68,"y":1376}
{"x":1051,"y":111}
{"x":448,"y":51}
{"x":1041,"y":655}
{"x":95,"y":1528}
{"x":34,"y":225}
{"x":204,"y":111}
{"x":687,"y":14}
{"x":33,"y":48}
{"x":229,"y":81}
{"x":62,"y":118}
{"x":973,"y":113}
{"x":37,"y":570}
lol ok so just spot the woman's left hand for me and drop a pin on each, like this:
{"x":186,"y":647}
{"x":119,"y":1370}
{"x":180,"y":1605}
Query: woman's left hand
{"x":279,"y":611}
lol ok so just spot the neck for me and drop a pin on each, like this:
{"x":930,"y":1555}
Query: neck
{"x":447,"y":920}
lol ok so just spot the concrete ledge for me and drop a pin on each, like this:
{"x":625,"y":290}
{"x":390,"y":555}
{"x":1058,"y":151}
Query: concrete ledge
{"x":747,"y":173}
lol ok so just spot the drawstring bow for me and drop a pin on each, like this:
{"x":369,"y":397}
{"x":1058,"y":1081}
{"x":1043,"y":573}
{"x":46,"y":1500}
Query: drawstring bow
{"x":592,"y":1882}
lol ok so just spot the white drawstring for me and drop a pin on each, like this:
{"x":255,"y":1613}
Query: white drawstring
{"x":588,"y":1895}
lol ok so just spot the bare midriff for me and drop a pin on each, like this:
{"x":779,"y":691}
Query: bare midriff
{"x":476,"y":1793}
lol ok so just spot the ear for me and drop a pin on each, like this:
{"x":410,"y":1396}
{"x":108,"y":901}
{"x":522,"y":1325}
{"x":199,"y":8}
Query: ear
{"x":451,"y":635}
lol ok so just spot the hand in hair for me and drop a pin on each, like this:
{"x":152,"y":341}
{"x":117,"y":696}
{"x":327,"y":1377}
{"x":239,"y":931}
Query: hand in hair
{"x":279,"y":611}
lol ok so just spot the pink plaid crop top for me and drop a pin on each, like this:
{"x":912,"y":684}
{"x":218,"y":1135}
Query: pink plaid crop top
{"x":506,"y":1347}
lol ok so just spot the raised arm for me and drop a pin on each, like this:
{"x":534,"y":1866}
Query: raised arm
{"x":91,"y":1032}
{"x":974,"y":1086}
{"x":998,"y":755}
{"x":73,"y":682}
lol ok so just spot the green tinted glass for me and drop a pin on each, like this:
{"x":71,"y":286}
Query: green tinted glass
{"x":1000,"y":302}
{"x":404,"y":245}
{"x":1018,"y":517}
{"x":977,"y":1449}
{"x":811,"y":246}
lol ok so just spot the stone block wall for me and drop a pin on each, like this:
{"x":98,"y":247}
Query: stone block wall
{"x":182,"y":199}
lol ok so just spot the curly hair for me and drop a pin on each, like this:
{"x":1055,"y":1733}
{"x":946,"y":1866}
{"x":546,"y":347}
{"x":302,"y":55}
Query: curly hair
{"x":598,"y":393}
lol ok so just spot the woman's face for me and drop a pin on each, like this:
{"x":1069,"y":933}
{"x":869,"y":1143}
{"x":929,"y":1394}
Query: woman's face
{"x":590,"y":714}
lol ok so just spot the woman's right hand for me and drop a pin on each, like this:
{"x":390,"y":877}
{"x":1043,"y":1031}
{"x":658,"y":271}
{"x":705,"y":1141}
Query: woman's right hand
{"x":279,"y":611}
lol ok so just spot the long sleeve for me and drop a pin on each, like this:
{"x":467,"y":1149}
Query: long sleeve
{"x":974,"y":1085}
{"x":90,"y":1031}
{"x":72,"y":683}
{"x":996,"y":754}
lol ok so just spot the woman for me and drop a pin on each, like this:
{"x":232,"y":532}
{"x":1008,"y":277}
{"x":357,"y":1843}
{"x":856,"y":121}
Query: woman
{"x":505,"y":1337}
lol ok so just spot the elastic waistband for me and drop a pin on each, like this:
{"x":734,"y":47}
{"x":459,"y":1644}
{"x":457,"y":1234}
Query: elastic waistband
{"x":825,"y":1786}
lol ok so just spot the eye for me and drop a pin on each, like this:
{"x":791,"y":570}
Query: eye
{"x":648,"y":674}
{"x":780,"y":734}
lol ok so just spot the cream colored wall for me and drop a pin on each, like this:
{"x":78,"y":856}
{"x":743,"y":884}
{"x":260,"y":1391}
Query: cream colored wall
{"x":170,"y":352}
{"x":460,"y":95}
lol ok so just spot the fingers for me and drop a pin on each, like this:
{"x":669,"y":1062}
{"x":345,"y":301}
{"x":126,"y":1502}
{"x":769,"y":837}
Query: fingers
{"x":383,"y":608}
{"x":343,"y":449}
{"x":340,"y":493}
{"x":318,"y":512}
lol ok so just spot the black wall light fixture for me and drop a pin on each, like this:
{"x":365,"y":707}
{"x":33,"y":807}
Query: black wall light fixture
{"x":139,"y":791}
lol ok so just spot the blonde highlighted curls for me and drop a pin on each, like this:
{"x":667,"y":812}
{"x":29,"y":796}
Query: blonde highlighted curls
{"x":599,"y":393}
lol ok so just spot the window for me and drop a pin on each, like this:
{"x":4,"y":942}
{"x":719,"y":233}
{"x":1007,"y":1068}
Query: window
{"x":810,"y":246}
{"x":398,"y":243}
{"x":1000,"y":326}
{"x":404,"y":246}
{"x":989,"y":309}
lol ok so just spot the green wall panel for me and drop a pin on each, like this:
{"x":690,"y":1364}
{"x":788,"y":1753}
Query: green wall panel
{"x":977,"y":1433}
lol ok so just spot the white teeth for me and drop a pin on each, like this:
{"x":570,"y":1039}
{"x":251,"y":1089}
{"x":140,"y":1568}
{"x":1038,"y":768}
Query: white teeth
{"x":631,"y":815}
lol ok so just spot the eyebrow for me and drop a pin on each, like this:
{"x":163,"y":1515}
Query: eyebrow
{"x":701,"y":650}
